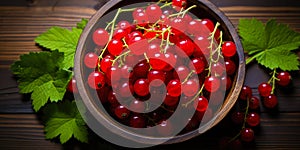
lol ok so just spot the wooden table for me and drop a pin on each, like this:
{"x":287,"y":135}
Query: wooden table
{"x":21,"y":21}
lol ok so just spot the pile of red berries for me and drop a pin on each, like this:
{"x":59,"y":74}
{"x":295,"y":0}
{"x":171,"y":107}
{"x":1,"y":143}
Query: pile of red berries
{"x":165,"y":54}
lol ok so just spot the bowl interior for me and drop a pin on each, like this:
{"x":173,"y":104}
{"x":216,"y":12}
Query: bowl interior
{"x":90,"y":100}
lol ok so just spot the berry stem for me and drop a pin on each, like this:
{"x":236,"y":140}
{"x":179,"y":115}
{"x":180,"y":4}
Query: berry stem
{"x":250,"y":59}
{"x":188,"y":76}
{"x":211,"y":47}
{"x":118,"y":57}
{"x":244,"y":122}
{"x":164,"y":5}
{"x":182,"y":12}
{"x":197,"y":95}
{"x":273,"y":80}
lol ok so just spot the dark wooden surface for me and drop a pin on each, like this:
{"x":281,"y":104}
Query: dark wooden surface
{"x":22,"y":20}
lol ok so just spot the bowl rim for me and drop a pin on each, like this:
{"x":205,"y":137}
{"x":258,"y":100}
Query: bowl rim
{"x":233,"y":95}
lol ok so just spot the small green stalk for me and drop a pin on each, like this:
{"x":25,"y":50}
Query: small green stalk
{"x":273,"y":81}
{"x":182,"y":12}
{"x":211,"y":47}
{"x":193,"y":99}
{"x":244,"y":122}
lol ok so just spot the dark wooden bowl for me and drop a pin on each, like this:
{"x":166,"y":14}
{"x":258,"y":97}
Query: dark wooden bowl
{"x":207,"y":10}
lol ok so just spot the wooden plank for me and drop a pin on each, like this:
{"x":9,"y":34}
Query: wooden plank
{"x":281,"y":131}
{"x":95,"y":2}
{"x":14,"y":40}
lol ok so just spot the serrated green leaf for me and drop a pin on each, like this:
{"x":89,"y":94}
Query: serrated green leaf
{"x":63,"y":120}
{"x":280,"y":35}
{"x":284,"y":60}
{"x":271,"y":44}
{"x":254,"y":32}
{"x":41,"y":74}
{"x":63,"y":40}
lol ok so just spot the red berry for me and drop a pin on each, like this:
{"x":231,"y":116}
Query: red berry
{"x":201,"y":104}
{"x":226,"y":81}
{"x":115,"y":47}
{"x":253,"y":119}
{"x":181,"y":71}
{"x":237,"y":117}
{"x":212,"y":84}
{"x":137,"y":121}
{"x":137,"y":45}
{"x":230,"y":67}
{"x":136,"y":11}
{"x":112,"y":98}
{"x":141,"y":18}
{"x":153,"y":12}
{"x":106,"y":62}
{"x":137,"y":106}
{"x":284,"y":78}
{"x":125,"y":25}
{"x":178,"y":4}
{"x":171,"y":60}
{"x":141,"y":87}
{"x":96,"y":80}
{"x":218,"y":69}
{"x":135,"y":33}
{"x":190,"y":87}
{"x":156,"y":77}
{"x":125,"y":89}
{"x":120,"y":33}
{"x":247,"y":134}
{"x":126,"y":71}
{"x":228,"y":49}
{"x":113,"y":75}
{"x":100,"y":37}
{"x":270,"y":101}
{"x":264,"y":89}
{"x":72,"y":86}
{"x":174,"y":88}
{"x":185,"y":47}
{"x":198,"y":65}
{"x":170,"y":100}
{"x":153,"y":48}
{"x":246,"y":93}
{"x":121,"y":112}
{"x":141,"y":69}
{"x":254,"y":103}
{"x":207,"y":27}
{"x":90,"y":60}
{"x":178,"y":25}
{"x":202,"y":45}
{"x":194,"y":26}
{"x":157,"y":61}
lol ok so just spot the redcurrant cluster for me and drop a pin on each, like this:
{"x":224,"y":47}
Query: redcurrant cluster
{"x":164,"y":54}
{"x":266,"y":89}
{"x":248,"y":108}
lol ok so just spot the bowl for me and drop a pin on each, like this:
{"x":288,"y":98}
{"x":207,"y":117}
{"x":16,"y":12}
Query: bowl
{"x":98,"y":116}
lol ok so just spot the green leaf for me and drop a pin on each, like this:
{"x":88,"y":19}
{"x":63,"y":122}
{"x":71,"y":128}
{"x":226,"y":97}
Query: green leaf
{"x":284,"y":60}
{"x":63,"y":40}
{"x":63,"y":120}
{"x":41,"y":74}
{"x":271,"y":44}
{"x":252,"y":31}
{"x":82,"y":23}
